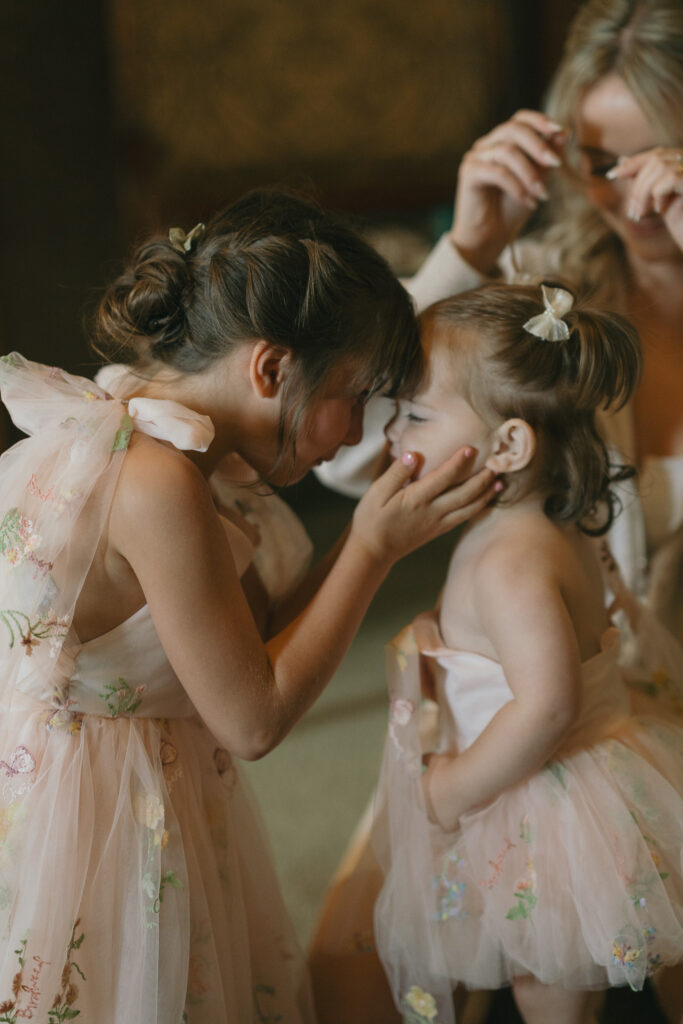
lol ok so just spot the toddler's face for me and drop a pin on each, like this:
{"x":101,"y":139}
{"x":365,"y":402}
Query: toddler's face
{"x":438,"y":420}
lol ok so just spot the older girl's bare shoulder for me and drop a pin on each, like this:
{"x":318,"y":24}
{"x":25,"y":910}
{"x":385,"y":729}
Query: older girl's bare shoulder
{"x":158,"y":486}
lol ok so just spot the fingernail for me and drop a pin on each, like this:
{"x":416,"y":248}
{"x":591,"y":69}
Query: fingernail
{"x":612,"y":173}
{"x":540,"y":190}
{"x":633,"y":210}
{"x":498,"y":486}
{"x":555,"y":126}
{"x":552,"y":160}
{"x":468,"y":453}
{"x":408,"y":459}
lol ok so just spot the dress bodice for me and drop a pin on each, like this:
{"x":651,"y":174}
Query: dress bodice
{"x":472,"y":688}
{"x":125,"y":671}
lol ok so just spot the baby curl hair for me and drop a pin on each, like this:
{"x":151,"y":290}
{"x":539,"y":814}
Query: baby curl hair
{"x":557,"y":387}
{"x":273,"y":266}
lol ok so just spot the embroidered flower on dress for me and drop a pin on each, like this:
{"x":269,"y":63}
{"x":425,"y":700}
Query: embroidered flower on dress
{"x":623,"y":954}
{"x":60,"y":500}
{"x":525,"y":889}
{"x":404,"y":644}
{"x":149,"y":810}
{"x":121,"y":698}
{"x":450,"y":891}
{"x":20,"y":627}
{"x":62,"y":717}
{"x":421,"y":1003}
{"x":171,"y":767}
{"x":401,"y":710}
{"x":18,"y":771}
{"x":19,"y":539}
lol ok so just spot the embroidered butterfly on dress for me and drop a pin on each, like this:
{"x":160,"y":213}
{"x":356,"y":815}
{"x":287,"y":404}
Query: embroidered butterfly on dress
{"x":18,"y":772}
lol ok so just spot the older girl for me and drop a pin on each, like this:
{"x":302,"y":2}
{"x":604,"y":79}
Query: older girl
{"x":135,"y":881}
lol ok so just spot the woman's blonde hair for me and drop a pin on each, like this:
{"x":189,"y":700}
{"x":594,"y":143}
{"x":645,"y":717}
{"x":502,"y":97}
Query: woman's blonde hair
{"x":642,"y":42}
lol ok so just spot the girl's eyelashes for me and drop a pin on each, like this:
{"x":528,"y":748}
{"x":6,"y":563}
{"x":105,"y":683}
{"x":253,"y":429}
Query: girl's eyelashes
{"x":412,"y":417}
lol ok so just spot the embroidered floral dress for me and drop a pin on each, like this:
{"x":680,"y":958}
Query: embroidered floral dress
{"x":574,"y":875}
{"x":136,"y":884}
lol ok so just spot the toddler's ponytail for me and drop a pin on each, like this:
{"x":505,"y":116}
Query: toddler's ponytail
{"x":606,"y":354}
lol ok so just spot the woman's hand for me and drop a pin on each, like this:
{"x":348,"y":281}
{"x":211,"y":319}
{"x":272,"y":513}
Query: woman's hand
{"x":656,"y":178}
{"x":396,"y":516}
{"x":501,"y":180}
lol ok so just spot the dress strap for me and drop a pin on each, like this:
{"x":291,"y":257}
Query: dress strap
{"x":184,"y":428}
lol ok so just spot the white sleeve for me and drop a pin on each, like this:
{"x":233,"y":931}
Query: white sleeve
{"x":443,"y":273}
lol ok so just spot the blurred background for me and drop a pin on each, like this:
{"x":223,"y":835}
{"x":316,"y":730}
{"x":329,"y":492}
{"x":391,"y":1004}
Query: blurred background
{"x":128,"y":116}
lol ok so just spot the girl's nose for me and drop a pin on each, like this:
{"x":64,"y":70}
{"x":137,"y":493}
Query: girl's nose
{"x":355,"y":431}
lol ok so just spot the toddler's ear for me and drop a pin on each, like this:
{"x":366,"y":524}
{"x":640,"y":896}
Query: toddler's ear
{"x":514,"y":446}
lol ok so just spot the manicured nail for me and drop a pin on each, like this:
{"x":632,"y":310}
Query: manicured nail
{"x":539,"y":189}
{"x":552,"y":159}
{"x":498,"y":486}
{"x":613,"y":173}
{"x":468,"y":453}
{"x":408,"y":459}
{"x":633,"y":210}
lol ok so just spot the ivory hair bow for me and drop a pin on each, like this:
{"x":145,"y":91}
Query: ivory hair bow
{"x":182,"y":242}
{"x":549,"y":325}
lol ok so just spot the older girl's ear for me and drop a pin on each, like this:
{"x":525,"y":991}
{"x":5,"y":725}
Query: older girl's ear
{"x":514,"y":447}
{"x":268,"y":367}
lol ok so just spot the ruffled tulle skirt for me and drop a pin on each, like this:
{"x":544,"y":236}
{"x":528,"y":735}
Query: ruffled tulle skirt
{"x":136,"y":883}
{"x":574,"y":876}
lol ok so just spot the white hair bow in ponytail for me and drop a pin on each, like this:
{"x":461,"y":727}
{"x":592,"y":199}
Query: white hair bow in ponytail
{"x":549,"y":325}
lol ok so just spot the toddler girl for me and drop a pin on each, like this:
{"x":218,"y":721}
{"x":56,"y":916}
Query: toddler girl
{"x":541,"y":847}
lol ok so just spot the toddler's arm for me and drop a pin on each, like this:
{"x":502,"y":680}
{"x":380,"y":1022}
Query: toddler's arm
{"x":520,"y":605}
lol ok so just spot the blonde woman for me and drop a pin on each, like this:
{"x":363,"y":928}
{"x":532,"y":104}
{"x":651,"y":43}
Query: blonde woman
{"x":609,"y":153}
{"x":608,"y":156}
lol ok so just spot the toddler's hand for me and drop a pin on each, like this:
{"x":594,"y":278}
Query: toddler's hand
{"x":396,"y":516}
{"x":439,"y":792}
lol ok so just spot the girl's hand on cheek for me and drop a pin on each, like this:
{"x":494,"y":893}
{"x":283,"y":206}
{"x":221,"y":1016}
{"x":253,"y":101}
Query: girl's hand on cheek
{"x":398,"y":514}
{"x":656,"y":178}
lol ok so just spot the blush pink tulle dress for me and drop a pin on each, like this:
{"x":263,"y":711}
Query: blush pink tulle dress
{"x":136,"y":884}
{"x":574,"y":875}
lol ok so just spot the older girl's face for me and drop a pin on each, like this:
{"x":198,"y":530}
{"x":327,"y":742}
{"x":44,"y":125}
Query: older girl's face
{"x":332,"y":420}
{"x":610,"y":124}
